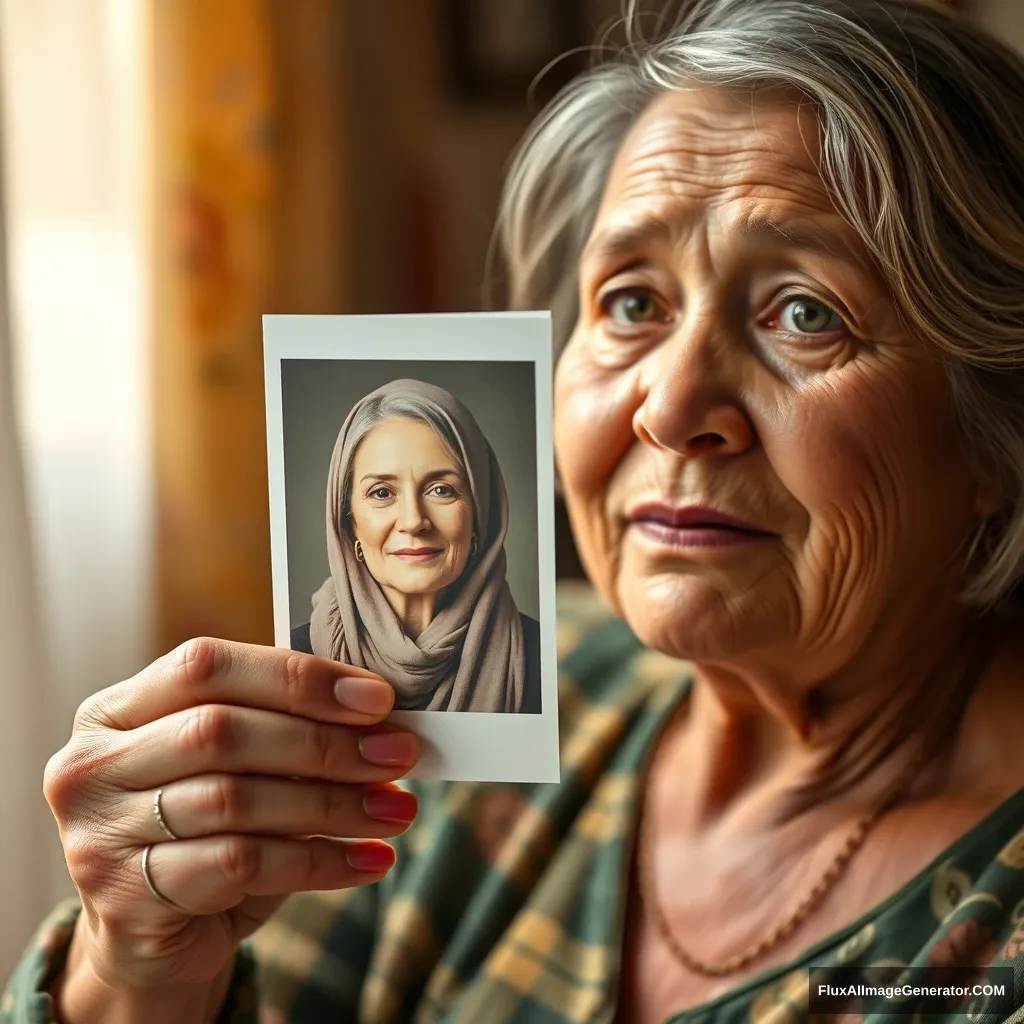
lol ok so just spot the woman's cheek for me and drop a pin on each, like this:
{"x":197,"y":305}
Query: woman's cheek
{"x":457,"y":523}
{"x":593,"y":424}
{"x":594,"y":409}
{"x":454,"y":525}
{"x":373,"y":526}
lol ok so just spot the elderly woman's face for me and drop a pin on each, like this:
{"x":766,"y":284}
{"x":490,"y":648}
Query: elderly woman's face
{"x":736,"y":353}
{"x":411,"y":508}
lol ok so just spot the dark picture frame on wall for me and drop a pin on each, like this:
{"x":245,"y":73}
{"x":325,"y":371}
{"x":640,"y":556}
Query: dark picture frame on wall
{"x":497,"y":48}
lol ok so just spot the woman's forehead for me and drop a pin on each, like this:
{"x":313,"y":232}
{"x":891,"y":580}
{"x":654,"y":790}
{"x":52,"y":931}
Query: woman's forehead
{"x":694,"y":150}
{"x":402,"y":441}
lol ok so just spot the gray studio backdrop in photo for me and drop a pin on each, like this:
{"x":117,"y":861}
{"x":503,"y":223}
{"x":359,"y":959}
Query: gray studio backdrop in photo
{"x":317,"y":395}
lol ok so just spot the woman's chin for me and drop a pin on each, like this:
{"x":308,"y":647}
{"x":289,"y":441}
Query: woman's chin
{"x":421,"y":583}
{"x":683,"y":616}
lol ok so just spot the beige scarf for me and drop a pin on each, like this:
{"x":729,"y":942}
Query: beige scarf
{"x":471,"y":656}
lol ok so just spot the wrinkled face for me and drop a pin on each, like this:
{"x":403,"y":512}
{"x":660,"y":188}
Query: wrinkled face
{"x":411,"y":508}
{"x":736,"y":355}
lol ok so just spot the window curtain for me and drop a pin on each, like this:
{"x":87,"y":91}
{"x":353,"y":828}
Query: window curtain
{"x":22,"y":883}
{"x":75,"y":517}
{"x":252,"y":207}
{"x":173,"y":171}
{"x":217,"y":136}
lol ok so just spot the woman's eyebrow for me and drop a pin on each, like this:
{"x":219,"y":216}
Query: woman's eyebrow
{"x":432,"y":475}
{"x":617,"y":242}
{"x":627,"y":240}
{"x":804,"y":235}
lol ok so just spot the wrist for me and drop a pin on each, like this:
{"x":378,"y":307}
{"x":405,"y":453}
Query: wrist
{"x":82,"y":996}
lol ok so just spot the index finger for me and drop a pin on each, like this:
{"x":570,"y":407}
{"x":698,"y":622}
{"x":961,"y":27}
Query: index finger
{"x":208,"y":671}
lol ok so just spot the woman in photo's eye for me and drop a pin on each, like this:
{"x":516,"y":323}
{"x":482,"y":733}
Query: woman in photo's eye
{"x":416,"y":520}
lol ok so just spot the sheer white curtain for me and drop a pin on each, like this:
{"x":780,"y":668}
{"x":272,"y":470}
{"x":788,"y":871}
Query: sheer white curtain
{"x":74,"y":374}
{"x":22,"y":883}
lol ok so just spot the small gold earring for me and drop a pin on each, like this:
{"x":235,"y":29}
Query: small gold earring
{"x":359,"y":551}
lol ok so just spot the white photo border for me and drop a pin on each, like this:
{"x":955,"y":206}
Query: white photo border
{"x":469,"y":746}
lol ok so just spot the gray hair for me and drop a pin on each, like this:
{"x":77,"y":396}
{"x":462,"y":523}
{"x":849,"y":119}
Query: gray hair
{"x":922,"y":124}
{"x":391,"y":407}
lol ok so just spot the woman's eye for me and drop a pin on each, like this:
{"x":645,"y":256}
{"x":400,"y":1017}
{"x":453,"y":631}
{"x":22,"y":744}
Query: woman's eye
{"x":380,"y":493}
{"x":443,"y":491}
{"x":631,"y":306}
{"x":803,"y":314}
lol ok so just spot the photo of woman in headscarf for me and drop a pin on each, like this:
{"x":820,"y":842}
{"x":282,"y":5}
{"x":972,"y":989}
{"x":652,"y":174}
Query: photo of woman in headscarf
{"x":417,"y":514}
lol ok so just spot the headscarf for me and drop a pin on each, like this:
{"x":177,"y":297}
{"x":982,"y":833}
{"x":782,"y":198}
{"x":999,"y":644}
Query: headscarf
{"x":471,"y":656}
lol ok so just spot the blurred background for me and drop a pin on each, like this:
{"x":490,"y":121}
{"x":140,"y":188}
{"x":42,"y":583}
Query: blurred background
{"x":170,"y":170}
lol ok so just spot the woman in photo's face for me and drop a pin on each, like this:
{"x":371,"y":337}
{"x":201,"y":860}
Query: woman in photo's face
{"x":412,"y":515}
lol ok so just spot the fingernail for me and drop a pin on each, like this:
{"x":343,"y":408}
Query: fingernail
{"x":375,"y":857}
{"x":390,"y":749}
{"x":390,"y":805}
{"x":364,"y":694}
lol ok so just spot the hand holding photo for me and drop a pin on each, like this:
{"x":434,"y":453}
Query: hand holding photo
{"x":412,"y":559}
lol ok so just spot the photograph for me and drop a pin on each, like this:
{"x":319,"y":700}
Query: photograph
{"x":412,"y":523}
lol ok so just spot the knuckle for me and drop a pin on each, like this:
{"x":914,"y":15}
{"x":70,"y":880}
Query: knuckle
{"x":296,"y":679}
{"x":208,"y":728}
{"x":331,"y":806}
{"x":68,"y":772}
{"x":317,"y":861}
{"x":322,"y":749}
{"x":120,"y":921}
{"x":201,"y":659}
{"x":120,"y":918}
{"x":225,"y":800}
{"x":240,"y":860}
{"x":89,"y":712}
{"x":59,"y":784}
{"x":86,"y":864}
{"x":324,"y":859}
{"x":104,"y":708}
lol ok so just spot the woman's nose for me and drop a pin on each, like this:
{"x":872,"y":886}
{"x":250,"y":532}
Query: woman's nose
{"x":691,"y":401}
{"x":410,"y":514}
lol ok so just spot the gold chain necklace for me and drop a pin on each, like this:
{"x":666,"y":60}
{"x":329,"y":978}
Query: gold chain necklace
{"x":826,"y":882}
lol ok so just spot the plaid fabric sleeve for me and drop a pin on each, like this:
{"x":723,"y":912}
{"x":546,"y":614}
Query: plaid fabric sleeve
{"x":26,"y":1000}
{"x":309,"y":959}
{"x":307,"y":963}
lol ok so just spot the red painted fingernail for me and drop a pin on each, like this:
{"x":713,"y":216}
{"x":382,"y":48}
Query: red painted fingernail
{"x":371,"y":857}
{"x":390,"y":805}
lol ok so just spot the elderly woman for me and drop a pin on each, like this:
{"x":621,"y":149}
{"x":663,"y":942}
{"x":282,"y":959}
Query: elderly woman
{"x":414,"y":594}
{"x":786,"y":246}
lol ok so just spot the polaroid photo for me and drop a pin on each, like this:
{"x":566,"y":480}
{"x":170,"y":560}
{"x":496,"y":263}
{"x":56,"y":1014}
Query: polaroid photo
{"x":412,"y":523}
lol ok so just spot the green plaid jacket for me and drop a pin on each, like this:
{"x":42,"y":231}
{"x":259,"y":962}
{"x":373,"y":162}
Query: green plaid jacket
{"x":507,"y":904}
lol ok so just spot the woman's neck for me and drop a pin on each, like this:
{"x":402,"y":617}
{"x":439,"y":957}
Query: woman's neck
{"x":414,"y":611}
{"x":767,"y":743}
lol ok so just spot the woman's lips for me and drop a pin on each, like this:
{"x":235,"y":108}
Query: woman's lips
{"x":693,"y":527}
{"x":416,"y":555}
{"x":695,"y":536}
